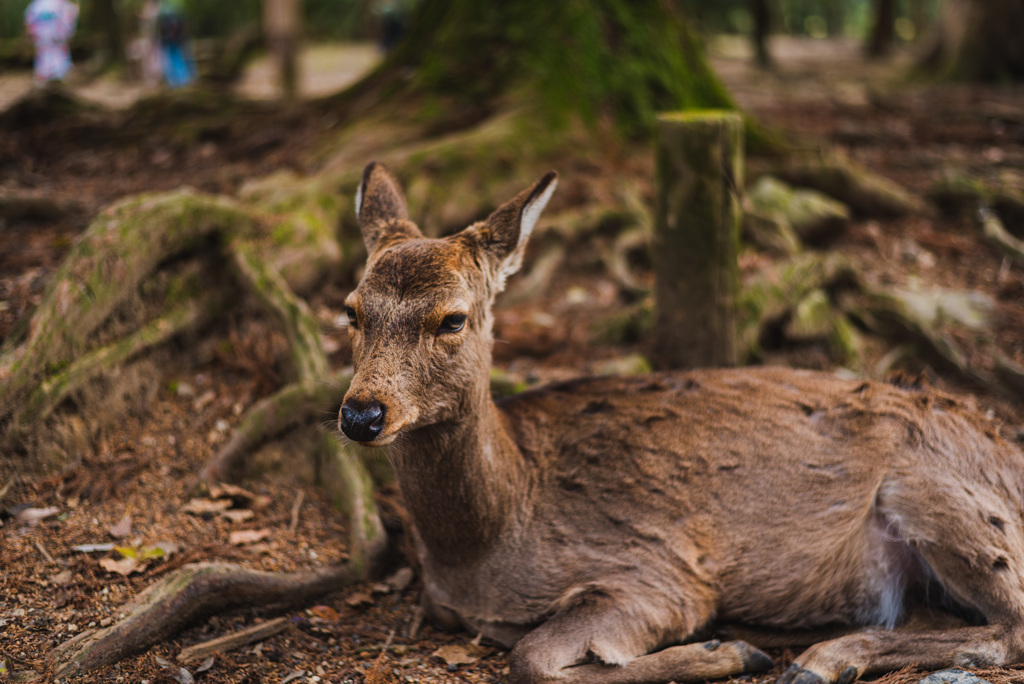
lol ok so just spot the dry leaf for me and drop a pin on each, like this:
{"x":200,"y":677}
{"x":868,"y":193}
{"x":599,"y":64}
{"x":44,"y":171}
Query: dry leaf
{"x":226,"y":490}
{"x":93,"y":548}
{"x":123,"y":528}
{"x":401,"y":580}
{"x":61,"y":578}
{"x":360,"y":599}
{"x":241,"y":537}
{"x":206,"y":506}
{"x":124,"y":566}
{"x":461,"y":654}
{"x":324,"y":613}
{"x":237,"y":515}
{"x":32,"y":516}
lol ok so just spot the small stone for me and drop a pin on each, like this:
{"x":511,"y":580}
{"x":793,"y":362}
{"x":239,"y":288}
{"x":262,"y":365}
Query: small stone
{"x":953,"y":676}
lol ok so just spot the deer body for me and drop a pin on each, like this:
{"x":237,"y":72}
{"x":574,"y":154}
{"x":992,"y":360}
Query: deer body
{"x":592,"y":523}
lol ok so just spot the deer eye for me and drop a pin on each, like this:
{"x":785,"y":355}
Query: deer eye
{"x":352,"y":320}
{"x":452,"y":323}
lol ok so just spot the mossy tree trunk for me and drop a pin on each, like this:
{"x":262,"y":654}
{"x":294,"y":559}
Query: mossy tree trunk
{"x":978,"y":40}
{"x":620,"y":59}
{"x":700,"y":168}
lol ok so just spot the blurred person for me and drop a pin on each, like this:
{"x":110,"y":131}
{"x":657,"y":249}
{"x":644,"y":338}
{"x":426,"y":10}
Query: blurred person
{"x":51,"y":23}
{"x":176,"y":57}
{"x":146,"y":47}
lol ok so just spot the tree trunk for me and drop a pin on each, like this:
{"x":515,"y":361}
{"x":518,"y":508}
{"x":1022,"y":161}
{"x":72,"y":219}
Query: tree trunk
{"x":281,"y":23}
{"x":880,"y":42}
{"x":621,"y":59}
{"x":700,"y":168}
{"x":108,"y":20}
{"x":978,"y":40}
{"x":762,"y":15}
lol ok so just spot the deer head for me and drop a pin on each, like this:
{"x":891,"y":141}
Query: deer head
{"x":420,"y":319}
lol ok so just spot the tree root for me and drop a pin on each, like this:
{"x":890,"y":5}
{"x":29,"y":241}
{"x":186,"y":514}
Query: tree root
{"x":57,"y":387}
{"x":299,"y":402}
{"x":115,"y":260}
{"x":193,"y":593}
{"x":996,"y":233}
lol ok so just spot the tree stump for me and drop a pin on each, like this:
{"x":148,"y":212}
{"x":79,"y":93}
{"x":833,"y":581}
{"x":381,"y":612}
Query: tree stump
{"x":696,"y":240}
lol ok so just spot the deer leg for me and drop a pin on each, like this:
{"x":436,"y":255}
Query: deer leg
{"x":596,"y":641}
{"x":970,"y":537}
{"x":843,"y":660}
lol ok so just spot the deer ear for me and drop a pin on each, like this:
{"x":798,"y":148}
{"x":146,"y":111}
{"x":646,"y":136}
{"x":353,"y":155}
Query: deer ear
{"x":506,"y":231}
{"x":380,"y":207}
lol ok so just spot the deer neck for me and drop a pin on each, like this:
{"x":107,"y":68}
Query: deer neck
{"x":461,"y":480}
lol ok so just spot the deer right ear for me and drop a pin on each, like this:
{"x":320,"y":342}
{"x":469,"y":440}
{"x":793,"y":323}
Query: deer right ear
{"x":380,"y":207}
{"x":506,"y":231}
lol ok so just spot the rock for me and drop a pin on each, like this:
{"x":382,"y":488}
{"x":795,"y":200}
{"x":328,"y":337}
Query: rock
{"x":811,"y":215}
{"x":953,"y":676}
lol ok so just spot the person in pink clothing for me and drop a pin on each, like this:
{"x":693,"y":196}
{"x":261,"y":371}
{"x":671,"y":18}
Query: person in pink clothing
{"x":51,"y":23}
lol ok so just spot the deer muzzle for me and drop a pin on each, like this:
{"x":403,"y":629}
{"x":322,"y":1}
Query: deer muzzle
{"x":362,"y":422}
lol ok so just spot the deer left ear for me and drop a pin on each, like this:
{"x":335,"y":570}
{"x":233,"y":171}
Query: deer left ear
{"x":506,"y":231}
{"x":381,"y":208}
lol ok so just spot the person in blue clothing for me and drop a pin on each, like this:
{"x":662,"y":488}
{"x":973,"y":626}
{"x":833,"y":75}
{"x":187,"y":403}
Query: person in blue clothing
{"x":178,"y":65}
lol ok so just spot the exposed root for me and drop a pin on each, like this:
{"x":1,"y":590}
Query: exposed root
{"x":193,"y":593}
{"x":307,"y":356}
{"x":297,"y":403}
{"x":45,"y":398}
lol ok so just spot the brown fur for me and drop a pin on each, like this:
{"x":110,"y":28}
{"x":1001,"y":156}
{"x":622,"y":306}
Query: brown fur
{"x":593,"y":523}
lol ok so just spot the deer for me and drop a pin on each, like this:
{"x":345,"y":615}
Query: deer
{"x":601,"y":528}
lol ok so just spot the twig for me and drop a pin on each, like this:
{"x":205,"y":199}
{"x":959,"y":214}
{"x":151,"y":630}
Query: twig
{"x":42,"y":550}
{"x":294,"y":524}
{"x":229,"y":642}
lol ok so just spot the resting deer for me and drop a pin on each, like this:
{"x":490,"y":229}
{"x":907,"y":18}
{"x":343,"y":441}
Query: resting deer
{"x":599,"y":526}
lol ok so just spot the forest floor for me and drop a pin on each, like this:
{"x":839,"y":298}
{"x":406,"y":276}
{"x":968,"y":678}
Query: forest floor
{"x":136,"y":488}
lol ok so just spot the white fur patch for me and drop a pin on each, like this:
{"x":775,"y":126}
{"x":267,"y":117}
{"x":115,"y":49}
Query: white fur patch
{"x":359,"y":198}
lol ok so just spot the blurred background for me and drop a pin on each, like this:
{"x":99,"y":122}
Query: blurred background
{"x":178,"y":236}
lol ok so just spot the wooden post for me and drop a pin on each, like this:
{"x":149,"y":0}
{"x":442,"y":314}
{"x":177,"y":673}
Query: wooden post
{"x":696,"y":241}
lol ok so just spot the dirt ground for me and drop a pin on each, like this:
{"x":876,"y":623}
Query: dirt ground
{"x":134,"y":488}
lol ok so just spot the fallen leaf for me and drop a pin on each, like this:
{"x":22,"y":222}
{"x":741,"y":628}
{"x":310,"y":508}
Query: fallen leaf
{"x":226,"y":490}
{"x":381,"y":588}
{"x":261,"y":548}
{"x":293,"y":676}
{"x":160,"y":549}
{"x":206,"y":506}
{"x":182,"y":676}
{"x":461,"y":654}
{"x":241,"y":537}
{"x":61,"y":578}
{"x":401,"y":580}
{"x":324,"y":613}
{"x":205,"y":665}
{"x":123,"y":528}
{"x":360,"y":599}
{"x":125,"y":566}
{"x":93,"y":548}
{"x":237,"y":515}
{"x":32,"y":516}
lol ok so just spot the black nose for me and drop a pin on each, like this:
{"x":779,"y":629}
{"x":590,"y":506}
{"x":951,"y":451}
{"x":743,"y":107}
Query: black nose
{"x":362,"y":423}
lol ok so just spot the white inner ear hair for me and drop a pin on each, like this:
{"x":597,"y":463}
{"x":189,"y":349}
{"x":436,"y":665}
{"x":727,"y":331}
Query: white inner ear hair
{"x":359,"y":198}
{"x":532,"y":212}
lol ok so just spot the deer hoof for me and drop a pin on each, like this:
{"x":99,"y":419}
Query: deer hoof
{"x":754,"y":659}
{"x":795,"y":674}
